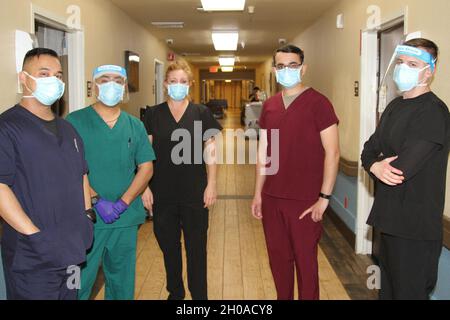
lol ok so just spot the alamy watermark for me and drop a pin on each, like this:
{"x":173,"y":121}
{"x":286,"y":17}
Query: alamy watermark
{"x":74,"y":279}
{"x":230,"y":147}
{"x":374,"y":279}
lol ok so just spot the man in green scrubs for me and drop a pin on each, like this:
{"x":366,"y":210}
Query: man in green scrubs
{"x":119,"y":155}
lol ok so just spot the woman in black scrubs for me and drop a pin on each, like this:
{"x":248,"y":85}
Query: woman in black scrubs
{"x":408,"y":157}
{"x":182,"y":188}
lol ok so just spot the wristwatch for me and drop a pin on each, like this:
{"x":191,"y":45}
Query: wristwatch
{"x":90,"y":213}
{"x":95,"y":200}
{"x":324,"y":196}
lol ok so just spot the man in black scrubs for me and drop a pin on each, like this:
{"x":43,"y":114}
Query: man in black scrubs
{"x":408,"y":157}
{"x":43,"y":187}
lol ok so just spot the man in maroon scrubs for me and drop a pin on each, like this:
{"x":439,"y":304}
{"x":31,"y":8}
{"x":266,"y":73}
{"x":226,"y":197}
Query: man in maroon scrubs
{"x":291,"y":202}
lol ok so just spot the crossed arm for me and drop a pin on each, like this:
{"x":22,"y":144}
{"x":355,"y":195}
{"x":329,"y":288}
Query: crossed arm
{"x":394,"y":171}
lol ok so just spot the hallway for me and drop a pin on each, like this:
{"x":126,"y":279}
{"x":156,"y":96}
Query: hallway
{"x":344,"y":50}
{"x":238,"y":265}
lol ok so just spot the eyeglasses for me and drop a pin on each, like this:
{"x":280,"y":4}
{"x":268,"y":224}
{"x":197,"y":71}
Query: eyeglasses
{"x":290,"y":66}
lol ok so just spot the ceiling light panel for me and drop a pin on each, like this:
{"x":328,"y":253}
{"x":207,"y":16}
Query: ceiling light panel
{"x":227,"y":69}
{"x":225,"y":41}
{"x":223,"y":5}
{"x":227,"y":61}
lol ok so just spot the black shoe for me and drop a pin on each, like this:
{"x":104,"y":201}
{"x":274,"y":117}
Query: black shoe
{"x":175,"y":297}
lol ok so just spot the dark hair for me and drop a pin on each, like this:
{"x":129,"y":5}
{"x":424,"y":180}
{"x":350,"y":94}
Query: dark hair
{"x":37,"y":52}
{"x":428,"y":45}
{"x":290,"y":49}
{"x":256,"y":89}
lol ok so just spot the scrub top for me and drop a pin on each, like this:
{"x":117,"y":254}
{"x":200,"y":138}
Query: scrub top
{"x":113,"y":156}
{"x":182,"y":182}
{"x":417,"y":131}
{"x":45,"y":171}
{"x":301,"y":153}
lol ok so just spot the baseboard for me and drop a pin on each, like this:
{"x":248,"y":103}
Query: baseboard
{"x":346,"y":232}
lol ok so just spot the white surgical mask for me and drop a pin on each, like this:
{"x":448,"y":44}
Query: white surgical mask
{"x":48,"y":90}
{"x":407,"y":78}
{"x":178,"y":92}
{"x":289,"y":77}
{"x":111,"y":93}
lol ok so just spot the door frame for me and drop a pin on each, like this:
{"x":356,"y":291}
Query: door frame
{"x":161,"y":100}
{"x":75,"y":47}
{"x":368,"y":119}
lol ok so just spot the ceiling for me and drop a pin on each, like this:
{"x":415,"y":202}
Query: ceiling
{"x":272,"y":20}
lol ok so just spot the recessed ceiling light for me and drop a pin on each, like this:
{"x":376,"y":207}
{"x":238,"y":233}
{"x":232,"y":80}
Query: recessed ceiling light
{"x":225,"y":41}
{"x":228,"y":81}
{"x":227,"y":69}
{"x":168,"y":25}
{"x":227,"y":61}
{"x":223,"y":5}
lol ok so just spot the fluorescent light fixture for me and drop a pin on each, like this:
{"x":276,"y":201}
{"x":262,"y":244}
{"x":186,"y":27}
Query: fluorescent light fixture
{"x":168,"y":25}
{"x":223,"y":5}
{"x":225,"y":41}
{"x":227,"y":69}
{"x":228,"y":81}
{"x":227,"y":61}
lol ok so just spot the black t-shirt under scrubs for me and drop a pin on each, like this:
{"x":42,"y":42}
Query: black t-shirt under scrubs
{"x":180,"y":170}
{"x":45,"y":171}
{"x":417,"y":131}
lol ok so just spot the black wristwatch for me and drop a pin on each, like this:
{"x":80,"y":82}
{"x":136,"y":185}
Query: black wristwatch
{"x":325,"y":196}
{"x":95,"y":199}
{"x":90,"y":213}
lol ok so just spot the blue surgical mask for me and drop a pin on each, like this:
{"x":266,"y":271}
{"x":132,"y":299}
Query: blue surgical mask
{"x":111,"y":93}
{"x":407,"y":78}
{"x":48,"y":90}
{"x":178,"y":91}
{"x":288,"y":77}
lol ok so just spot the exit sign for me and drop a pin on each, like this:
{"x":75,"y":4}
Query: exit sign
{"x":214,"y":69}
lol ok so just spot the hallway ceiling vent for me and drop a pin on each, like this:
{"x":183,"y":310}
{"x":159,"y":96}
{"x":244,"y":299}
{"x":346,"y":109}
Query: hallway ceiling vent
{"x":168,"y":25}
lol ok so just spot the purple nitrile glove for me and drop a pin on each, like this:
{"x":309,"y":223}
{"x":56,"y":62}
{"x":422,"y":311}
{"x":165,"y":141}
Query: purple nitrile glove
{"x":106,"y":211}
{"x":120,"y":207}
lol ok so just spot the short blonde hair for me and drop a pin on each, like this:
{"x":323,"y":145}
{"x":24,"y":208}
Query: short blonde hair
{"x":179,"y":65}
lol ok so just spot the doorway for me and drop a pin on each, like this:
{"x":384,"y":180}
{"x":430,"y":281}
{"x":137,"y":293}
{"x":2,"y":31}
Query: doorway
{"x":55,"y":39}
{"x":53,"y":32}
{"x":159,"y":82}
{"x":377,"y":48}
{"x":388,"y":40}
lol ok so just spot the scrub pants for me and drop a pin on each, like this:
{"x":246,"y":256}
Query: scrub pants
{"x":292,"y":244}
{"x":36,"y":284}
{"x":116,"y":249}
{"x":409,"y":268}
{"x":169,"y":220}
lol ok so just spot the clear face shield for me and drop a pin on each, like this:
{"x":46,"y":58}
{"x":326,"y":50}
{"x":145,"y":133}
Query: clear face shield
{"x":400,"y":77}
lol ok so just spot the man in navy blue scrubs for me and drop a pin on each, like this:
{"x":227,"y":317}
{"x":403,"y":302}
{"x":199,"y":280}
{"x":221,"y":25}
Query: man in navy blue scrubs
{"x":43,"y":189}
